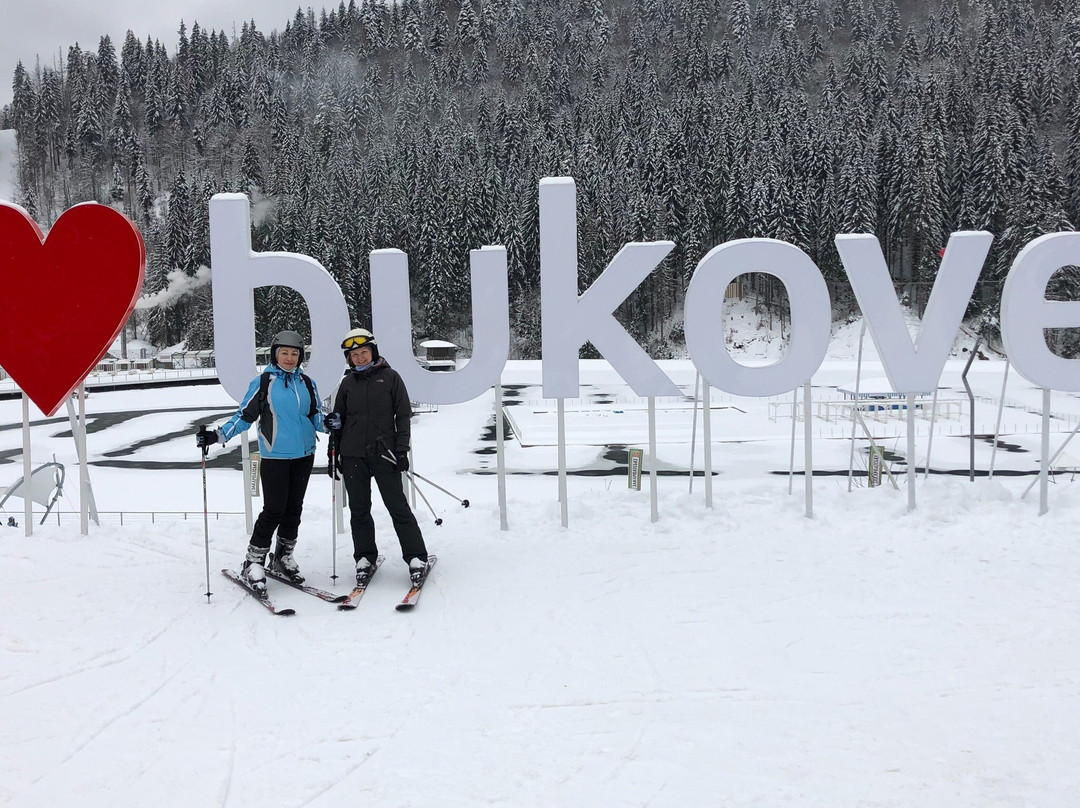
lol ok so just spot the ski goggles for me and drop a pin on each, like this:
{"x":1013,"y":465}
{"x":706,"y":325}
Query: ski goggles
{"x":356,"y":342}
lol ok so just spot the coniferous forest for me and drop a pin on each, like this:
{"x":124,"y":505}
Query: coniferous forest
{"x":427,"y":124}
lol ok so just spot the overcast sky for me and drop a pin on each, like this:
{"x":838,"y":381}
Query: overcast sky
{"x":46,"y":28}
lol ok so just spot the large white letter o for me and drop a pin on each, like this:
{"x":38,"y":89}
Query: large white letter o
{"x":811,"y":316}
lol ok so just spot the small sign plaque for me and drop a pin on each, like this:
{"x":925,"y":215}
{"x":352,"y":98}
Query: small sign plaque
{"x":636,"y":458}
{"x":254,"y":474}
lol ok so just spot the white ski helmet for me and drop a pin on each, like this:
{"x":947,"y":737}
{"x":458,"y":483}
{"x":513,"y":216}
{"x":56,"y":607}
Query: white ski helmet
{"x":357,"y":338}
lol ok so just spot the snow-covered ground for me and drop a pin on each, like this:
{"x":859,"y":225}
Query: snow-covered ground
{"x":740,"y":656}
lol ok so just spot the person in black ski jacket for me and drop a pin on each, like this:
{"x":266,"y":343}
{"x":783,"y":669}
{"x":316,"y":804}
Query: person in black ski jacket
{"x":371,"y":425}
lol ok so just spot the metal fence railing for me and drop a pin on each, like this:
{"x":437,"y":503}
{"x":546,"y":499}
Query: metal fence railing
{"x":127,"y":517}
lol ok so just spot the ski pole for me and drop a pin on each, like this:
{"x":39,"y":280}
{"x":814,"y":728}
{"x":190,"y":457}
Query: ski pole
{"x":206,"y":512}
{"x":464,"y":502}
{"x":333,"y":507}
{"x":391,"y":458}
{"x":414,"y":476}
{"x":438,"y":520}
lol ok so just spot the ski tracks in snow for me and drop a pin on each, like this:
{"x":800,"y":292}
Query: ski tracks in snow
{"x":110,"y":657}
{"x":103,"y":727}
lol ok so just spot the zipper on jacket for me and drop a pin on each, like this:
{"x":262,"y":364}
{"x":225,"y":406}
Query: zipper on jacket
{"x":296,"y":392}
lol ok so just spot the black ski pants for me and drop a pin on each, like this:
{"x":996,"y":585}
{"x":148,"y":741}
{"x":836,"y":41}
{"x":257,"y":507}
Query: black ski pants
{"x":359,"y":472}
{"x":284,"y":483}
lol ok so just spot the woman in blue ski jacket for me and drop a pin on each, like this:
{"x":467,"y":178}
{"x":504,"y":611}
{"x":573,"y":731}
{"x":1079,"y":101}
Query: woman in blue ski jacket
{"x":285,"y":402}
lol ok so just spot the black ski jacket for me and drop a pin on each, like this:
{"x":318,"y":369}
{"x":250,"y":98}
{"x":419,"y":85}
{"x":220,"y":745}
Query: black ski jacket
{"x":375,"y":412}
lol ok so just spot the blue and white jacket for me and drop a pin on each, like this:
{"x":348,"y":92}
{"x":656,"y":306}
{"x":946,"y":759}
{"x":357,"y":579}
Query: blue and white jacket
{"x":286,"y":432}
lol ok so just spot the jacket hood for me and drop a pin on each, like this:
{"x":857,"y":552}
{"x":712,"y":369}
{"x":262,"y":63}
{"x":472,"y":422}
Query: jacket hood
{"x":287,"y":376}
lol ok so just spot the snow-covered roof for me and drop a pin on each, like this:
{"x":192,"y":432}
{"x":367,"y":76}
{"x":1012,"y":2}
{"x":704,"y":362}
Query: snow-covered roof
{"x":437,"y":343}
{"x":877,"y":387}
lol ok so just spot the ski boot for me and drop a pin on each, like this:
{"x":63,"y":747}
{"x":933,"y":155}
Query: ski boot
{"x":417,"y":568}
{"x":283,"y":561}
{"x":254,"y":569}
{"x":364,"y":570}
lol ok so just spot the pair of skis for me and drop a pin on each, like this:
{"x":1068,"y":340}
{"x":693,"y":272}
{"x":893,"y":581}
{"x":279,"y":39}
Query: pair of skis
{"x":352,"y":600}
{"x":344,"y":602}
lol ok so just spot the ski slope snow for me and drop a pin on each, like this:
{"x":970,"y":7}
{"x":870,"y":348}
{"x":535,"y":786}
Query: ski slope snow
{"x":743,"y":655}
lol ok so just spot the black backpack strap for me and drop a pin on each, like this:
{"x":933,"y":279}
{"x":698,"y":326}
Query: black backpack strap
{"x":264,"y":386}
{"x":311,"y":394}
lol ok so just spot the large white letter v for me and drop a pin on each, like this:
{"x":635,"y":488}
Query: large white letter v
{"x":913,"y":367}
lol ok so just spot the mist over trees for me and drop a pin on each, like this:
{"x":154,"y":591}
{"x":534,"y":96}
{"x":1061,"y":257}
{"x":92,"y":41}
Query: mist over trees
{"x":427,"y":124}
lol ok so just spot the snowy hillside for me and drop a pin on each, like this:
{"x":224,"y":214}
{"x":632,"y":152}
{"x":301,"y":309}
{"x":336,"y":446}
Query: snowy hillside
{"x":739,"y":656}
{"x":754,"y":337}
{"x":9,"y":162}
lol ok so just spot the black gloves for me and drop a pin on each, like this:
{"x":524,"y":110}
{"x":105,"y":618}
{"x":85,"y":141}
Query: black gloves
{"x":207,"y":437}
{"x":333,"y":465}
{"x":332,"y":424}
{"x":399,"y":460}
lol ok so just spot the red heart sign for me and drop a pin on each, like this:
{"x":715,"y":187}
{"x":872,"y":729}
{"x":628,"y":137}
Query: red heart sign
{"x":65,"y":297}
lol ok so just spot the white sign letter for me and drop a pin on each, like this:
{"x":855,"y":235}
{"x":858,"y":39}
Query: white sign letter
{"x":568,"y":321}
{"x":237,"y":272}
{"x":811,"y":316}
{"x":1025,"y":312}
{"x":392,"y":325}
{"x":913,"y":368}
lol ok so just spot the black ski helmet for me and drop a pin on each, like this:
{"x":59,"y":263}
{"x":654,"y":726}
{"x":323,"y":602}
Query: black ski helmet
{"x":286,"y":339}
{"x":359,"y":338}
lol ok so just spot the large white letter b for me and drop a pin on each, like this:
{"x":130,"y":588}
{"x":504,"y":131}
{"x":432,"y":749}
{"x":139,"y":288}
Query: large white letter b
{"x":237,"y":271}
